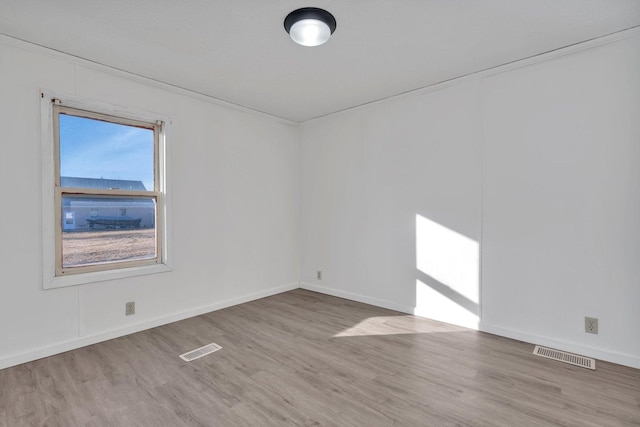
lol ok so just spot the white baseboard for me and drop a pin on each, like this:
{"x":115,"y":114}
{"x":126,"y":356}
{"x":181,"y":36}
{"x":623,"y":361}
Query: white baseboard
{"x":605,"y":355}
{"x":379,"y":303}
{"x":357,"y":297}
{"x":75,"y":343}
{"x":608,"y":356}
{"x":28,"y":356}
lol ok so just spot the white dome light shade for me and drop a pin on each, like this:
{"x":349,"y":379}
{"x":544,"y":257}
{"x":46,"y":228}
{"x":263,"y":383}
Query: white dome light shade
{"x":310,"y":26}
{"x":310,"y":32}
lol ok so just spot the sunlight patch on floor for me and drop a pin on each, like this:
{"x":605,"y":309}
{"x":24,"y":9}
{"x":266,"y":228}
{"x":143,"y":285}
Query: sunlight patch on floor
{"x":395,"y":325}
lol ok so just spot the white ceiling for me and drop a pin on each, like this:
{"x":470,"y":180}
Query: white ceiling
{"x":238,"y":51}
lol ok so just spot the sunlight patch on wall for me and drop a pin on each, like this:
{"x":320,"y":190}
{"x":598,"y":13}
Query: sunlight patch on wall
{"x":447,"y":283}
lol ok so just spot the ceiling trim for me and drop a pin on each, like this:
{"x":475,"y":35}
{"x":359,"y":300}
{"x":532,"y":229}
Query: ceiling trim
{"x":117,"y":72}
{"x":498,"y":69}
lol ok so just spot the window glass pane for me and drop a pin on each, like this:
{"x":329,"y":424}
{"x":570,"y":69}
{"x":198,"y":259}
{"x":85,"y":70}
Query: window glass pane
{"x":104,"y":155}
{"x":108,"y":237}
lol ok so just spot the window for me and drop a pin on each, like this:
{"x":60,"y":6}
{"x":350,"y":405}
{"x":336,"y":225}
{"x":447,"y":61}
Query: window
{"x":104,"y":163}
{"x":108,"y":201}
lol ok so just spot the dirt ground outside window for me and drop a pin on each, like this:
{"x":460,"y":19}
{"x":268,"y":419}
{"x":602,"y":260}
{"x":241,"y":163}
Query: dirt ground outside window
{"x":96,"y":247}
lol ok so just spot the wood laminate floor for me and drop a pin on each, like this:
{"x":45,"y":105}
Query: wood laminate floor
{"x":302,"y":358}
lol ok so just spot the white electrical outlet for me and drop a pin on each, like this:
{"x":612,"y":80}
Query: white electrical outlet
{"x":319,"y":275}
{"x":591,"y":325}
{"x":130,"y":308}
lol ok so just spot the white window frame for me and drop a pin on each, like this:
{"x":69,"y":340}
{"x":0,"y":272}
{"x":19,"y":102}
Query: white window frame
{"x":53,"y":274}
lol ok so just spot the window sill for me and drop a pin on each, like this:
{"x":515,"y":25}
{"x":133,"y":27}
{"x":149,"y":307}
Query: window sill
{"x":103,"y":276}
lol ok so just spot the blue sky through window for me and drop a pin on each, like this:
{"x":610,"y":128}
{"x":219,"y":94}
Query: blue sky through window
{"x":95,"y":149}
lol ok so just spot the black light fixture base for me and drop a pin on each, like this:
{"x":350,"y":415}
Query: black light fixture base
{"x":310,"y":13}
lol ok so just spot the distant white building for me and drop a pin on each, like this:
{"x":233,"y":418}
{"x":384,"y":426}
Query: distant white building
{"x":87,"y":213}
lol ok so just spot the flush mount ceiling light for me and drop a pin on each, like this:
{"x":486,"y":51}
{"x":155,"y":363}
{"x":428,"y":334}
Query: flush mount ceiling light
{"x":310,"y":26}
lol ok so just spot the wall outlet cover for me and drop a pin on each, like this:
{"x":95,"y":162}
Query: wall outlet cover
{"x":130,"y":308}
{"x":591,"y":325}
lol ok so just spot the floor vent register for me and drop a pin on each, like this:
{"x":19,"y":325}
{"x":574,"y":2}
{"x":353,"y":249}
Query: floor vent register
{"x":199,"y":352}
{"x":563,"y":356}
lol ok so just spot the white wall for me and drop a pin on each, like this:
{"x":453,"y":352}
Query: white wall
{"x":561,"y":222}
{"x":369,"y":176}
{"x":235,"y":210}
{"x":538,"y":163}
{"x":537,"y":166}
